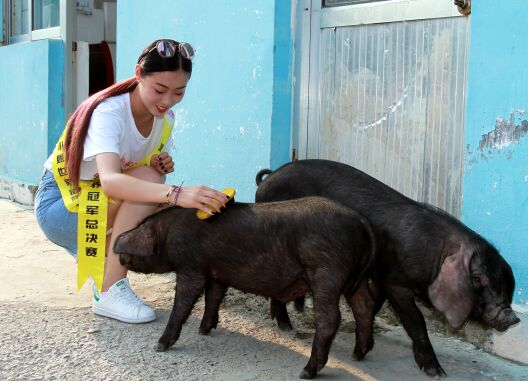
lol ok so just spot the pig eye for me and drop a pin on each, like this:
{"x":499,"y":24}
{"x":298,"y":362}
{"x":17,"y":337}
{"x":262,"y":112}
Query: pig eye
{"x":476,"y":281}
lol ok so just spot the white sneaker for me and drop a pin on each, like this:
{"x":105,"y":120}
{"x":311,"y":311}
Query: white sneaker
{"x":121,"y":303}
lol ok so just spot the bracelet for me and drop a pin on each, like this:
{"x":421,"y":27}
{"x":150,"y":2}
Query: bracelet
{"x":173,"y":189}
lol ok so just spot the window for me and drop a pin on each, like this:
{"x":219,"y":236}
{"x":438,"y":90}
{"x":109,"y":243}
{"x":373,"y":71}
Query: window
{"x":45,"y":14}
{"x":19,"y":17}
{"x":33,"y":19}
{"x":334,"y":3}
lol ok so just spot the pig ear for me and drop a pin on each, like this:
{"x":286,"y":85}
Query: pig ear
{"x":451,"y":291}
{"x":141,"y":241}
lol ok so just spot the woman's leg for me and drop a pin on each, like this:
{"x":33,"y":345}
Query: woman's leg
{"x":123,"y":216}
{"x":117,"y":300}
{"x":58,"y":224}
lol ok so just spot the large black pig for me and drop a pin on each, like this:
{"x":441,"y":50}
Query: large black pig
{"x":279,"y":250}
{"x":422,"y":251}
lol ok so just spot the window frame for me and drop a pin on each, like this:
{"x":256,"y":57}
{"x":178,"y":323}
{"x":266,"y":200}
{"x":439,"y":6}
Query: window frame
{"x":2,"y":24}
{"x":32,"y":35}
{"x":348,"y":2}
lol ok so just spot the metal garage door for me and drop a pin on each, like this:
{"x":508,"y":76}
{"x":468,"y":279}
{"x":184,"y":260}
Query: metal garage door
{"x":386,"y":93}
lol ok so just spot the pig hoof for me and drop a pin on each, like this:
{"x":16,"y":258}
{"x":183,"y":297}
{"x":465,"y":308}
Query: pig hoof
{"x":358,"y":356}
{"x":284,"y":326}
{"x":361,"y":350}
{"x":434,"y":371}
{"x":306,"y":375}
{"x":161,"y":347}
{"x":206,"y":327}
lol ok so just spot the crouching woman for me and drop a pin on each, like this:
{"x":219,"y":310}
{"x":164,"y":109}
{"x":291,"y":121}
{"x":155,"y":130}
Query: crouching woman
{"x":116,"y":139}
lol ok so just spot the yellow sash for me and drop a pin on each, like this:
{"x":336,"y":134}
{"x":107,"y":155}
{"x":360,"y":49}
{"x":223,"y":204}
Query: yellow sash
{"x":91,"y":204}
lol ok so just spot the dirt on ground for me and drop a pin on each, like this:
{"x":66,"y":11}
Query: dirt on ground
{"x":48,"y":331}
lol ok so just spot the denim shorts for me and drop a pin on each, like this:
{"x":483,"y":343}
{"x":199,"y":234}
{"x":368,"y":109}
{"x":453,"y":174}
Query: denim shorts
{"x":58,"y":223}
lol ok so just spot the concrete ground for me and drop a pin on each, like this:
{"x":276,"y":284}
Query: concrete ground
{"x":48,"y":331}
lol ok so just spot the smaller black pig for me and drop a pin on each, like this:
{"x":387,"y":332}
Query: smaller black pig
{"x":422,"y":252}
{"x":280,"y":250}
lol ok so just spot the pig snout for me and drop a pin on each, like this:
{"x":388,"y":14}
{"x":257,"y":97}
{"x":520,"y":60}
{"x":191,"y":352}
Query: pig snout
{"x":125,"y":260}
{"x":504,"y":320}
{"x":500,"y":318}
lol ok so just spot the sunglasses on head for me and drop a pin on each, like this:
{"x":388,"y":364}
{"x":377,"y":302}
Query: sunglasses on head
{"x":167,"y":49}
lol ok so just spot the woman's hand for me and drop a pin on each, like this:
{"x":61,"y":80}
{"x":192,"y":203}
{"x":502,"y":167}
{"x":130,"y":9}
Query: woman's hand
{"x":202,"y":198}
{"x":162,"y":163}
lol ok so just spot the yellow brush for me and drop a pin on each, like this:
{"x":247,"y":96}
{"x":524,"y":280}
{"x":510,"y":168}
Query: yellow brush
{"x":229,"y":192}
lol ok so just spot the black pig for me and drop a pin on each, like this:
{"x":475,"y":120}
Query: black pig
{"x":278,"y":250}
{"x":422,"y":251}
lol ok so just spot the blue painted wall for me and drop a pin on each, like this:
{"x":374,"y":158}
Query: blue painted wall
{"x":234,"y":118}
{"x":495,"y":198}
{"x":282,"y":85}
{"x":31,"y":112}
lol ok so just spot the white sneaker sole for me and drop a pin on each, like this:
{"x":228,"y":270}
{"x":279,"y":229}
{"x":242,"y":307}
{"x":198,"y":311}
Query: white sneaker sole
{"x":102,"y":312}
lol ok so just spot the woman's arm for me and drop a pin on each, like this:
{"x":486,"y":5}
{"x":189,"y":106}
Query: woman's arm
{"x":123,"y":187}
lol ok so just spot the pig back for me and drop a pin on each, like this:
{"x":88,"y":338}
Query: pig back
{"x":330,"y":179}
{"x":265,"y":248}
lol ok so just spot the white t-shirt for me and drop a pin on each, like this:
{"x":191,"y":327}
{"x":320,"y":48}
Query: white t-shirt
{"x":112,"y":129}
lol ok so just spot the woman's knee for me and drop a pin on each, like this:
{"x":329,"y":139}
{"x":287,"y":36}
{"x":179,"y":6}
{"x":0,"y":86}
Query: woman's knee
{"x":146,"y":173}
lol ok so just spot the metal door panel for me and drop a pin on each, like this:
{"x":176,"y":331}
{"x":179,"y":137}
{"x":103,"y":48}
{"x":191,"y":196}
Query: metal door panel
{"x":390,"y":100}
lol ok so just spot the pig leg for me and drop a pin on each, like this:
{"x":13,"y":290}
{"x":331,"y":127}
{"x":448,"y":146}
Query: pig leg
{"x":327,"y":318}
{"x":402,"y":299}
{"x":214,"y":294}
{"x":378,"y":296}
{"x":188,"y":289}
{"x":363,"y":307}
{"x":299,"y":304}
{"x":365,"y":302}
{"x":278,"y":311}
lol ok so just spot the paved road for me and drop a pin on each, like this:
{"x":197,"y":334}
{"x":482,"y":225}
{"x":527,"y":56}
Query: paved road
{"x":47,"y":331}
